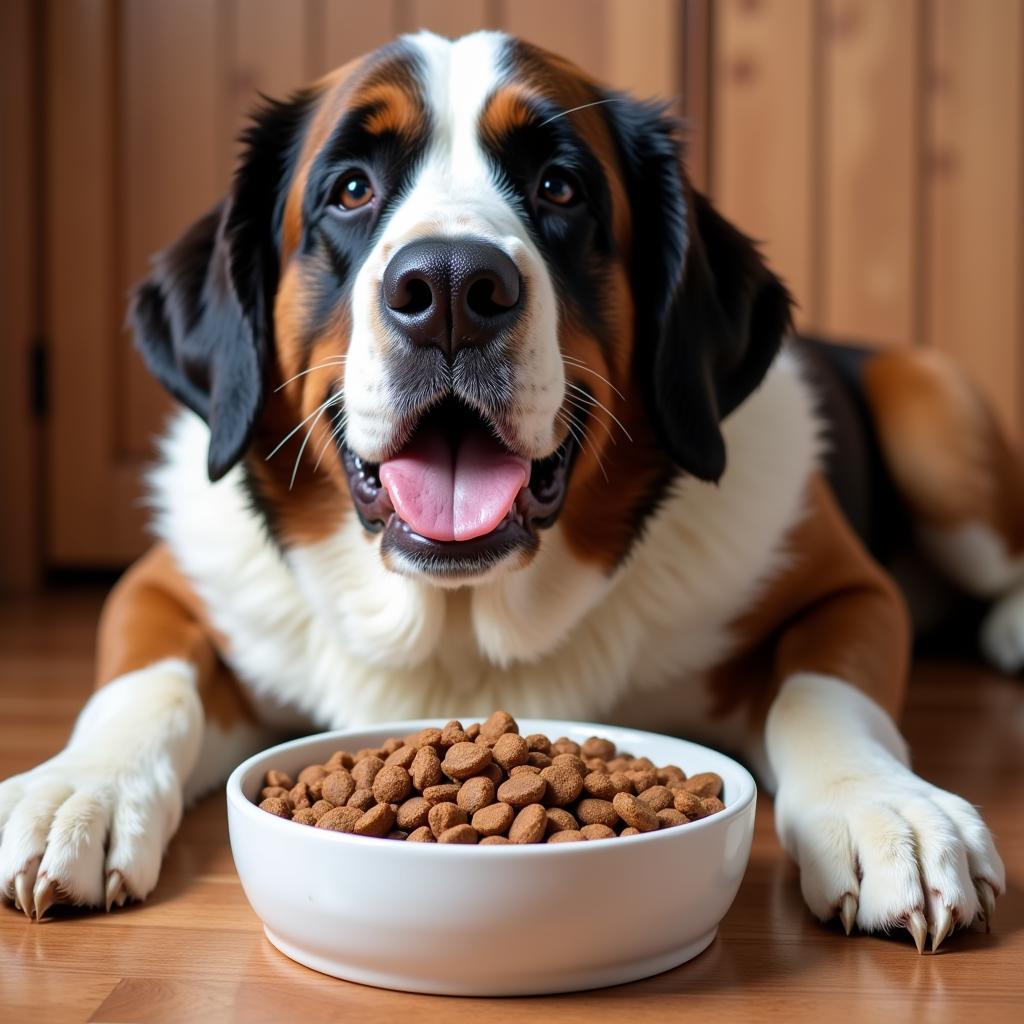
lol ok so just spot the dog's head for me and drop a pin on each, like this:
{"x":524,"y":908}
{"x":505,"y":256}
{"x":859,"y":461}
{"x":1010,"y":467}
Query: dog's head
{"x":463,"y":292}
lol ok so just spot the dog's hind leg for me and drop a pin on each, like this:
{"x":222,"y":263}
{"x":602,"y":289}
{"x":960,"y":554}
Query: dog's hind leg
{"x":89,"y":827}
{"x":961,"y":480}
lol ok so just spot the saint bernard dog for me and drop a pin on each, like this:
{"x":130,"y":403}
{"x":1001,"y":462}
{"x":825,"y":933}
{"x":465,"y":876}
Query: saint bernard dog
{"x":485,"y":406}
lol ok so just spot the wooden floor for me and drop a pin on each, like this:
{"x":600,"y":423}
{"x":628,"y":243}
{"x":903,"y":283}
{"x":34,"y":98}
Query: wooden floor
{"x":195,"y":951}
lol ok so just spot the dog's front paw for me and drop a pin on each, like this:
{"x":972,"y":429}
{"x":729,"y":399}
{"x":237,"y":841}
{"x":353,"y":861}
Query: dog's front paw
{"x":85,"y":829}
{"x":885,"y":849}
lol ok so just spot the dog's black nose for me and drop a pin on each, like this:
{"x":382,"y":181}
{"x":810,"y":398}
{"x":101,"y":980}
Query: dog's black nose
{"x":451,"y":292}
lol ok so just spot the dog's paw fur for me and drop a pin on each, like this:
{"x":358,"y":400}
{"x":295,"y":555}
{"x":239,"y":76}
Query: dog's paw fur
{"x":89,"y":826}
{"x":83,"y":830}
{"x":885,"y":849}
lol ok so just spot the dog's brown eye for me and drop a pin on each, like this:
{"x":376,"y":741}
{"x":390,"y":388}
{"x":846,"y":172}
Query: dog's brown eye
{"x":354,"y":191}
{"x":558,"y":187}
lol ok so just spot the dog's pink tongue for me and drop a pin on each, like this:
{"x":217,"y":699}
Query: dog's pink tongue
{"x":454,"y":492}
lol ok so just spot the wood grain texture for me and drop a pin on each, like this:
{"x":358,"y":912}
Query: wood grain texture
{"x":573,"y":28}
{"x":762,"y":143}
{"x":975,"y":198}
{"x":195,"y":951}
{"x":20,"y":103}
{"x":869,"y":153}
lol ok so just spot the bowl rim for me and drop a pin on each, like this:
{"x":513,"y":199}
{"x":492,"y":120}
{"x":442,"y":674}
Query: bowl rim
{"x":238,"y":801}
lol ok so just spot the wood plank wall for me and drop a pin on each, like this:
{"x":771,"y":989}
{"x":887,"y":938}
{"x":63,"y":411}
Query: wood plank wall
{"x":877,"y":149}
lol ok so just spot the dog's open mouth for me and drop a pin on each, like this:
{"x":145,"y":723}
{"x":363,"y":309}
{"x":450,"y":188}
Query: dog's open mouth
{"x":455,"y":500}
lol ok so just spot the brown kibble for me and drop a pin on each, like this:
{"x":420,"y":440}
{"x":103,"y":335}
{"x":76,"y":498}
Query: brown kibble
{"x":321,"y":807}
{"x":493,"y":820}
{"x":314,"y":773}
{"x":338,"y":787}
{"x":688,"y":803}
{"x":620,"y":763}
{"x":538,"y":743}
{"x":500,"y":723}
{"x":377,"y":821}
{"x":600,"y":786}
{"x":635,"y":813}
{"x":669,"y":817}
{"x":570,"y":761}
{"x":564,"y":745}
{"x":428,"y":738}
{"x":529,"y":825}
{"x":643,"y":764}
{"x":276,"y":778}
{"x":362,"y":799}
{"x":339,"y":759}
{"x":704,"y":784}
{"x":277,"y":806}
{"x":510,"y":751}
{"x":278,"y":791}
{"x":391,"y":785}
{"x":364,"y":752}
{"x":494,"y":841}
{"x":299,"y":796}
{"x":390,"y":745}
{"x":560,"y":820}
{"x":621,"y":782}
{"x":597,"y":831}
{"x":564,"y":784}
{"x":420,"y":835}
{"x":521,"y":790}
{"x":642,"y":779}
{"x":403,"y":757}
{"x":472,"y":731}
{"x":397,"y":834}
{"x":671,"y":773}
{"x":595,"y":764}
{"x":538,"y":760}
{"x":598,"y":747}
{"x":442,"y":817}
{"x":365,"y":771}
{"x":475,"y":793}
{"x":465,"y":759}
{"x":492,"y":772}
{"x":461,"y":834}
{"x":453,"y":733}
{"x":630,"y":831}
{"x":316,"y":789}
{"x":425,"y":769}
{"x":712,"y":805}
{"x":597,"y":812}
{"x":525,"y":769}
{"x":568,"y":835}
{"x":412,"y":814}
{"x":304,"y":816}
{"x":657,"y":798}
{"x":447,"y":792}
{"x":340,"y":819}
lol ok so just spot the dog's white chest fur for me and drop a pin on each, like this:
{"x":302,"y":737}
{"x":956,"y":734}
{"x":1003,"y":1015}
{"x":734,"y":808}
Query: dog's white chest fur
{"x":327,"y":631}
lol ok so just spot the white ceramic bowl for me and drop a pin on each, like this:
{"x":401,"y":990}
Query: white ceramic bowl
{"x":495,"y":920}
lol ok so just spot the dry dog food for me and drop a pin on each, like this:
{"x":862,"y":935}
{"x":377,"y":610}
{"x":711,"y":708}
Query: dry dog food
{"x":487,"y":784}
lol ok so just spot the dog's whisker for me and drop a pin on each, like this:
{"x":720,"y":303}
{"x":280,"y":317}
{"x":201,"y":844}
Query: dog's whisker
{"x":600,"y":405}
{"x":578,"y":431}
{"x":337,"y":360}
{"x":309,"y":433}
{"x":580,"y":365}
{"x":332,"y":437}
{"x":582,"y":106}
{"x":583,"y":407}
{"x":291,"y":433}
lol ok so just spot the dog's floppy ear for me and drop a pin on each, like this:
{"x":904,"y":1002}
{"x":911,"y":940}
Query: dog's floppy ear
{"x":710,"y":315}
{"x":203,"y":319}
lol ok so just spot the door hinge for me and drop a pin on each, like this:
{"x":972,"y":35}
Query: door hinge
{"x":39,"y":378}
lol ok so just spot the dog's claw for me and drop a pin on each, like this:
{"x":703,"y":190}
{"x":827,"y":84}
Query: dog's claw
{"x":44,"y":895}
{"x":918,"y":927}
{"x":942,"y":927}
{"x":987,"y":899}
{"x":115,"y":890}
{"x":848,"y":912}
{"x":23,"y":893}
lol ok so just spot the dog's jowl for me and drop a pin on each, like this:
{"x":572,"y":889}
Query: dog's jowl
{"x":483,"y":405}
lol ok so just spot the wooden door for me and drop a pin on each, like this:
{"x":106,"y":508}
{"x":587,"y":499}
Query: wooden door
{"x":144,"y":99}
